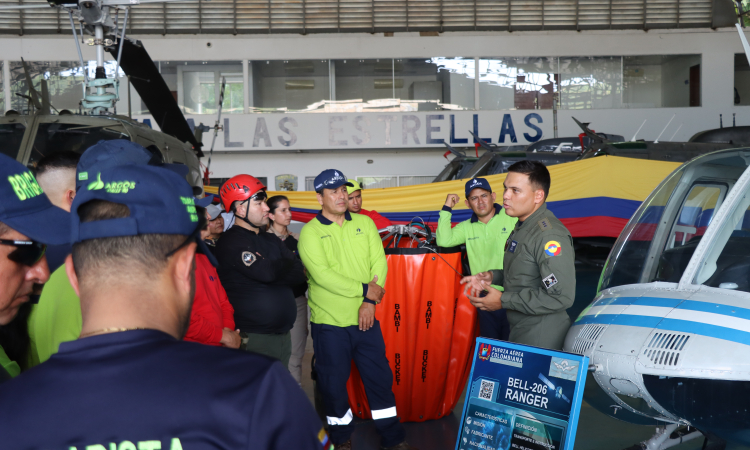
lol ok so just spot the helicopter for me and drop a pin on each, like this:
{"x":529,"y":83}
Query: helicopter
{"x":30,"y":137}
{"x":701,"y":143}
{"x":668,"y":332}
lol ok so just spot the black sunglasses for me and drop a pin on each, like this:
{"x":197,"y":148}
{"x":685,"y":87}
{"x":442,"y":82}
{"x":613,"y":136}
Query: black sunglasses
{"x":27,"y":253}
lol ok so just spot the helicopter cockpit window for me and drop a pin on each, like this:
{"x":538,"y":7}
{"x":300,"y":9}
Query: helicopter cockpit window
{"x":53,"y":137}
{"x":628,"y":256}
{"x":726,"y":264}
{"x":11,"y":135}
{"x":689,"y":226}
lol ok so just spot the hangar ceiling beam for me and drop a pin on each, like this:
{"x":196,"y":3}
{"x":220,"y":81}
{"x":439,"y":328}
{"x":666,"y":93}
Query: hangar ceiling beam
{"x":326,"y":16}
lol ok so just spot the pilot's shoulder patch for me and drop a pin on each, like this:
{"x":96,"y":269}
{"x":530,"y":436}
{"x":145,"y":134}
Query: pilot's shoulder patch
{"x":248,"y":258}
{"x":545,"y":224}
{"x":550,"y":281}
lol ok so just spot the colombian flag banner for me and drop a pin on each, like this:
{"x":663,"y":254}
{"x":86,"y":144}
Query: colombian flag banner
{"x":592,"y":197}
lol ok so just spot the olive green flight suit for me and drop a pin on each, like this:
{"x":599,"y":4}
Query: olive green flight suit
{"x":539,"y":278}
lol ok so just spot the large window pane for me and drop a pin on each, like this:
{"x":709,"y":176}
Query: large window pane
{"x":516,"y":83}
{"x":589,"y":82}
{"x":64,"y":84}
{"x":197,"y":85}
{"x":661,"y":81}
{"x":301,"y":85}
{"x":420,"y":84}
{"x":741,"y":80}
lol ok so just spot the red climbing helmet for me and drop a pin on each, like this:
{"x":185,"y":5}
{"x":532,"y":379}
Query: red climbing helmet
{"x":239,"y":188}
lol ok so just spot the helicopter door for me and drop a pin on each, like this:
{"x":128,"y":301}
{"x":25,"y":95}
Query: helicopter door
{"x":694,"y":216}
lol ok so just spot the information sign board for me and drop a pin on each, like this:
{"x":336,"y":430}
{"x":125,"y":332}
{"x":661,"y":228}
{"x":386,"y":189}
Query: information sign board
{"x":521,"y":398}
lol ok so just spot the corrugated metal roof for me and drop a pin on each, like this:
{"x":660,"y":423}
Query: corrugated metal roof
{"x":315,"y":16}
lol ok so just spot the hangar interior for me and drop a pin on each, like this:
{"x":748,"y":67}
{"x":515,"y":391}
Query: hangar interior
{"x":315,"y":84}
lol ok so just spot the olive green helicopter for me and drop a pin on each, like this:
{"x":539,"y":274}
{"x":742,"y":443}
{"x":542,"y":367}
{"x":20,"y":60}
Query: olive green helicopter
{"x":38,"y":132}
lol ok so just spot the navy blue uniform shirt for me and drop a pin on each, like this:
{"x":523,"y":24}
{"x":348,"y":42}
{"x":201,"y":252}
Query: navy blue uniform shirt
{"x":143,"y":389}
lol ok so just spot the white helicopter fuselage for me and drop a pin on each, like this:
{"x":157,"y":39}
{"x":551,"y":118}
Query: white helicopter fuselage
{"x":668,"y":335}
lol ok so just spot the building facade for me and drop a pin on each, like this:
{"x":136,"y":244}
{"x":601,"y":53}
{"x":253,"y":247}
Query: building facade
{"x":379,"y":106}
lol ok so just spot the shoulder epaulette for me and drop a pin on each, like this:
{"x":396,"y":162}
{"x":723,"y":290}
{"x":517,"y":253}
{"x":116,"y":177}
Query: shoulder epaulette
{"x":545,"y":224}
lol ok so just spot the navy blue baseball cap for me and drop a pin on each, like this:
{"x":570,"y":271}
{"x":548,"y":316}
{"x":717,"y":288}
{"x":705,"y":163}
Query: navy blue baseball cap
{"x":26,"y":209}
{"x":475,"y":183}
{"x":330,"y":179}
{"x":117,"y":152}
{"x":205,"y":201}
{"x":160,"y":202}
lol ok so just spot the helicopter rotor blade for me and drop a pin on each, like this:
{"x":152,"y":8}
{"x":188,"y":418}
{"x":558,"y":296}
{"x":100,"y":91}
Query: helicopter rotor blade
{"x":453,"y":150}
{"x":595,"y":138}
{"x":154,"y":91}
{"x":216,"y":127}
{"x":483,"y":143}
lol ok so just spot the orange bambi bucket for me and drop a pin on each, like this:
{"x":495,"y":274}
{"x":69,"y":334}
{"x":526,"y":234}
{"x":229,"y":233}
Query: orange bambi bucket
{"x":429,"y":328}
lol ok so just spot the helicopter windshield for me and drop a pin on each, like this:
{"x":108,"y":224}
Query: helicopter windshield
{"x":662,"y":236}
{"x":11,"y":135}
{"x":726,"y":264}
{"x":53,"y":137}
{"x":626,"y":260}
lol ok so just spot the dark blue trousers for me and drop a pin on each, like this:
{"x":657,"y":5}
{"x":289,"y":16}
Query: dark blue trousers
{"x":494,"y":324}
{"x":335,"y":348}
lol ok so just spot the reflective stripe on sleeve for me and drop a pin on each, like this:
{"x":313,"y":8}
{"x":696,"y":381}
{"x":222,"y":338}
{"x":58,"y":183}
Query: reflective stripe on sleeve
{"x":384,"y":413}
{"x":346,"y":420}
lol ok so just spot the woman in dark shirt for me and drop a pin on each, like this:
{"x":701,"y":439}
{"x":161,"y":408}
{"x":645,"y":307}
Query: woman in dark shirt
{"x":280,"y":215}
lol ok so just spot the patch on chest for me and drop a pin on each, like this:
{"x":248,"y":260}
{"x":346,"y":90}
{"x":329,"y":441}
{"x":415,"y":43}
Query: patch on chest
{"x":544,"y":224}
{"x":550,"y":281}
{"x":510,"y":246}
{"x":248,"y":258}
{"x":552,"y":248}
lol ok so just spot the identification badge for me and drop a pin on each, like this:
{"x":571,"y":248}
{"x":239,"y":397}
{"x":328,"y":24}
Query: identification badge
{"x":512,"y":246}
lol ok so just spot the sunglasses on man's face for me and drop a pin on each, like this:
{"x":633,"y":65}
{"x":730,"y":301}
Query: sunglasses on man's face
{"x":27,"y":253}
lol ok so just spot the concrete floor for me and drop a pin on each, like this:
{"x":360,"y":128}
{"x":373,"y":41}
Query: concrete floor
{"x":596,"y":431}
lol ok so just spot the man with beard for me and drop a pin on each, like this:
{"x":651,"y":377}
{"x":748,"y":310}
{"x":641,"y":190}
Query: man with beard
{"x":484,"y":234}
{"x":258,"y":271}
{"x":129,"y":382}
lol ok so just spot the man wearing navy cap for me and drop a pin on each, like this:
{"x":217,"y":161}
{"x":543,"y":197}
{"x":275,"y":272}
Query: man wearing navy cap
{"x":484,"y":234}
{"x":129,"y":382}
{"x":28,"y":221}
{"x":57,"y":317}
{"x":346,"y":269}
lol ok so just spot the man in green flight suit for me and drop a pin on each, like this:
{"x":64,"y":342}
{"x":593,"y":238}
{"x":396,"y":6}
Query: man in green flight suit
{"x":538,"y":266}
{"x":484,"y":234}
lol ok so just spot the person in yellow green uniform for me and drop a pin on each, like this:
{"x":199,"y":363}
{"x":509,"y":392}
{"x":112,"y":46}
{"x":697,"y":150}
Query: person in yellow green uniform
{"x":346,"y":269}
{"x":484,"y":234}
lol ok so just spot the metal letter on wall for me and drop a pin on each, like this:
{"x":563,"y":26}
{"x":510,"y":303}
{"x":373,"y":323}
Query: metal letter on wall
{"x":292,"y":136}
{"x":227,"y":142}
{"x":261,"y":131}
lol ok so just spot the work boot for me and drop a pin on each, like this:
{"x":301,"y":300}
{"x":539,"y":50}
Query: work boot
{"x":402,"y":446}
{"x":345,"y":446}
